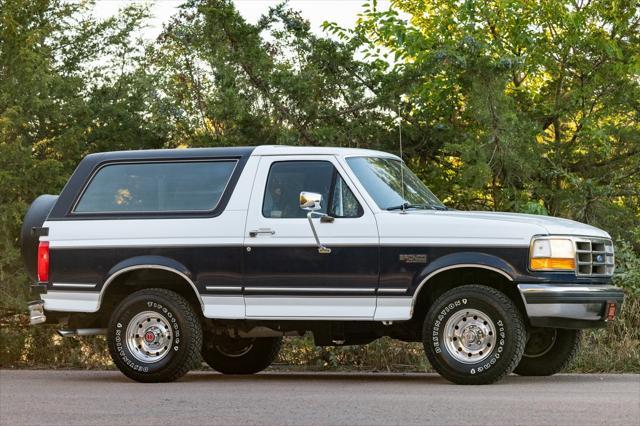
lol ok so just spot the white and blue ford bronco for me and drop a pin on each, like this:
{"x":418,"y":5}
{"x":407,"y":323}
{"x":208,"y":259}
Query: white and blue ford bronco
{"x":217,"y":253}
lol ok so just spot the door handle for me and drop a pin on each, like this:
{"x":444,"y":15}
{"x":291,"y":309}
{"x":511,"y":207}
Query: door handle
{"x":257,"y":232}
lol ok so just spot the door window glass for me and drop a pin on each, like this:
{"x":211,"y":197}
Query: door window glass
{"x":288,"y":178}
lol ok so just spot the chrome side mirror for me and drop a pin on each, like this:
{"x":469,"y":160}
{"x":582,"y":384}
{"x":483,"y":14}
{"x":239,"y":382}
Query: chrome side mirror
{"x":311,"y":202}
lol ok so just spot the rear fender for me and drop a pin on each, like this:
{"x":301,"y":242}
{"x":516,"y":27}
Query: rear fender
{"x":149,"y":262}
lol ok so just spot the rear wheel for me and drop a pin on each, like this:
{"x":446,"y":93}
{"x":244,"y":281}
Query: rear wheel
{"x":548,"y":351}
{"x":474,"y":334}
{"x":154,"y":335}
{"x":240,"y":356}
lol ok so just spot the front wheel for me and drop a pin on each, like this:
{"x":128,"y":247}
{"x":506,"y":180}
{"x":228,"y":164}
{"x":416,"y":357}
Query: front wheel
{"x":474,"y":334}
{"x":548,"y":351}
{"x":240,"y":356}
{"x":154,"y":335}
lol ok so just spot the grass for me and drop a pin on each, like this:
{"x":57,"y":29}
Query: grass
{"x":615,"y":349}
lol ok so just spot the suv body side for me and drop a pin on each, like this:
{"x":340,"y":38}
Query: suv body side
{"x":240,"y":264}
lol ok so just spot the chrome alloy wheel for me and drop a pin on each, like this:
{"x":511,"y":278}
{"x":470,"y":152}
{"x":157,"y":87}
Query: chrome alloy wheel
{"x":149,"y":336}
{"x":470,"y":336}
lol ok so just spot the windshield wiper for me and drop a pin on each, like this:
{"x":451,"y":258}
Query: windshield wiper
{"x":410,"y":206}
{"x":418,"y":206}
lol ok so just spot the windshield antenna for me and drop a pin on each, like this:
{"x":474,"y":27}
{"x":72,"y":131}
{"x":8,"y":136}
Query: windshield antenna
{"x":404,"y":200}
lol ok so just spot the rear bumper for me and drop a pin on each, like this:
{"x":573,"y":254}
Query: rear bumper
{"x":36,"y":307}
{"x":571,"y":305}
{"x":36,"y":312}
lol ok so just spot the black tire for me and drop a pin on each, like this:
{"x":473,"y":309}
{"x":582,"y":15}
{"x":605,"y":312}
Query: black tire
{"x":548,"y":351}
{"x":471,"y":362}
{"x":170,"y":315}
{"x":240,"y":356}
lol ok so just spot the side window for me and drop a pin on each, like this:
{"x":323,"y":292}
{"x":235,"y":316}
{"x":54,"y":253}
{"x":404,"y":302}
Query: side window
{"x":156,"y":187}
{"x":343,"y":202}
{"x":288,"y":178}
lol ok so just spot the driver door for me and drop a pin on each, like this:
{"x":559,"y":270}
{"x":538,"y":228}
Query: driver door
{"x":286,"y":276}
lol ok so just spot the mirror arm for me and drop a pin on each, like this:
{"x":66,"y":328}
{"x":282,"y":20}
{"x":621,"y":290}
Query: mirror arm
{"x":321,"y":249}
{"x":325,"y":218}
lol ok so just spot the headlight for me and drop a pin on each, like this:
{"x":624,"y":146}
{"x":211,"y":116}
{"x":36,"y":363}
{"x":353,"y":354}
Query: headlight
{"x":552,"y":254}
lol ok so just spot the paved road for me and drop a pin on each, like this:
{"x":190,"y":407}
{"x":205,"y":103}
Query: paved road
{"x":107,"y":397}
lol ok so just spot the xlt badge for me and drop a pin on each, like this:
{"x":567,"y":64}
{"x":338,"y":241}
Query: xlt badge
{"x":413,"y":258}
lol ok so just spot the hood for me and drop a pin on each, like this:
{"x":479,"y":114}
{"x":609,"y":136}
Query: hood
{"x":475,"y":228}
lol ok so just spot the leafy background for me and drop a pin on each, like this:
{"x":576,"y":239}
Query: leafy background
{"x":507,"y":105}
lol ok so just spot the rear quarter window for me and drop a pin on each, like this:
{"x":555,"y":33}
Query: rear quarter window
{"x":189,"y":186}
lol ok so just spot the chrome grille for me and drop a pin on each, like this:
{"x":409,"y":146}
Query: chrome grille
{"x":594,"y":257}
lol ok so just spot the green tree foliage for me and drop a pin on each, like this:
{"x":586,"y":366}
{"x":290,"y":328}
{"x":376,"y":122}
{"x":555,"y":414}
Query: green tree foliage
{"x":273,"y":82}
{"x":531,"y":106}
{"x":69,"y":85}
{"x":505,"y":104}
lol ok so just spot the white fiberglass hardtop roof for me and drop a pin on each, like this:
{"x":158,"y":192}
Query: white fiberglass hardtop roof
{"x":265,"y":150}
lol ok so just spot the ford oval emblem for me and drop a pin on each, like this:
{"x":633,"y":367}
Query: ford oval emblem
{"x":599,"y":258}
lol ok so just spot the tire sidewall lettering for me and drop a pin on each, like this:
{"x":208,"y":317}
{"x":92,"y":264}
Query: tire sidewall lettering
{"x":436,"y":335}
{"x":119,"y":338}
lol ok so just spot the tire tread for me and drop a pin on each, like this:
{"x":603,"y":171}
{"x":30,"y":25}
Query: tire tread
{"x":552,"y":363}
{"x":192,"y":358}
{"x":515,"y":317}
{"x":256,"y":360}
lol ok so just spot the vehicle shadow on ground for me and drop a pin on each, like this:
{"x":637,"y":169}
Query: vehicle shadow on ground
{"x":337,"y":377}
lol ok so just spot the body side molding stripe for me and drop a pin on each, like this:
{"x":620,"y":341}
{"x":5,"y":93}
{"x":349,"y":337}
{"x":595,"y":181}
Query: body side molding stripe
{"x":309,"y":289}
{"x":74,"y":285}
{"x":392,"y":290}
{"x":223,"y":288}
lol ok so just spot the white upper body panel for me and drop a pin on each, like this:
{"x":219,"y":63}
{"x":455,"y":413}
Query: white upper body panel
{"x":452,"y":227}
{"x":458,"y":228}
{"x":416,"y":227}
{"x":268,"y":150}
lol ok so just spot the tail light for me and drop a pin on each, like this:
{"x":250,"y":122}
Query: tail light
{"x":43,"y":261}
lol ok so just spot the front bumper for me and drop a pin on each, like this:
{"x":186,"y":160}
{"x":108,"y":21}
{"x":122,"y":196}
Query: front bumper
{"x":571,"y":305}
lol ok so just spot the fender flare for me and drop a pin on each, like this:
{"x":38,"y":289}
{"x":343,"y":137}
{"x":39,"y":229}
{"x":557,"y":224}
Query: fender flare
{"x":462,"y":260}
{"x":149,"y":262}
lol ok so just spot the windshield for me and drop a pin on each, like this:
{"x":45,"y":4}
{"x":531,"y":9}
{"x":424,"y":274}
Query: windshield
{"x":381,"y":177}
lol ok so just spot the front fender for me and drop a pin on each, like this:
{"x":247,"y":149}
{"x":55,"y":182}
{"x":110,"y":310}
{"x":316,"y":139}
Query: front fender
{"x":464,"y":260}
